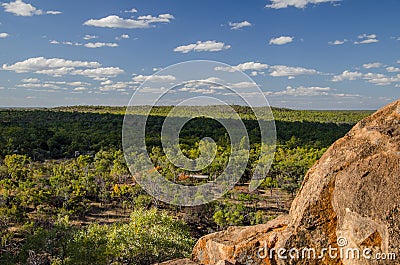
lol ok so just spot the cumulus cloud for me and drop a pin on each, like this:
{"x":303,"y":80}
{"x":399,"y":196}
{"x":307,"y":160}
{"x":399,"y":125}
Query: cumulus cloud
{"x":381,"y":79}
{"x":114,"y":21}
{"x":37,"y":85}
{"x":278,"y":4}
{"x":123,"y":36}
{"x":133,"y":10}
{"x":119,"y":86}
{"x":70,"y":43}
{"x":305,"y":91}
{"x":94,"y":45}
{"x":282,"y":70}
{"x":58,"y":72}
{"x":366,"y":39}
{"x":90,"y":37}
{"x":155,"y":78}
{"x":248,"y":66}
{"x":81,"y":88}
{"x":200,"y":46}
{"x":20,"y":8}
{"x":4,"y":35}
{"x":99,"y":73}
{"x":312,"y":91}
{"x":190,"y":89}
{"x":41,"y":63}
{"x":239,"y":25}
{"x":163,"y":18}
{"x":372,"y":65}
{"x":392,"y":69}
{"x":78,"y":83}
{"x":281,"y":40}
{"x":30,"y":80}
{"x":61,"y":67}
{"x":242,"y":85}
{"x":53,"y":12}
{"x":338,"y":42}
{"x":347,"y":75}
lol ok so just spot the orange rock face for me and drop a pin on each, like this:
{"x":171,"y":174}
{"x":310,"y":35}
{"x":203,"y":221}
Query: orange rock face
{"x":349,"y":204}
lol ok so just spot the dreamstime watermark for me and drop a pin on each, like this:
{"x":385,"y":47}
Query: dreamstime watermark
{"x":342,"y":252}
{"x":206,"y":84}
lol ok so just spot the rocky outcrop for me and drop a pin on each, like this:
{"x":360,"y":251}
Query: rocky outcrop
{"x":238,"y":245}
{"x":347,"y":211}
{"x":351,"y":197}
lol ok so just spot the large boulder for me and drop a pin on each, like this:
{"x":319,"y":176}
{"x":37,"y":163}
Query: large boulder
{"x":349,"y":204}
{"x":238,"y":245}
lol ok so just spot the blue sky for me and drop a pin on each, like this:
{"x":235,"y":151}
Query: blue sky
{"x":304,"y":54}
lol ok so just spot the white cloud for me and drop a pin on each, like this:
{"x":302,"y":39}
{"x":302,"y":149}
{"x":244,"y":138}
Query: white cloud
{"x":197,"y":90}
{"x":155,"y":78}
{"x":41,"y":63}
{"x":242,"y":85}
{"x":312,"y":91}
{"x":305,"y":91}
{"x":123,"y":36}
{"x":56,"y":71}
{"x":251,"y":66}
{"x":99,"y":73}
{"x":381,"y":79}
{"x":106,"y":82}
{"x":30,"y":80}
{"x":37,"y":85}
{"x":365,"y":36}
{"x":254,"y":73}
{"x":200,"y":46}
{"x":80,"y":88}
{"x":114,"y":21}
{"x":366,"y":39}
{"x":337,"y":42}
{"x":53,"y":12}
{"x":66,"y":43}
{"x":90,"y":37}
{"x":133,"y":10}
{"x":78,"y":83}
{"x":239,"y":25}
{"x":56,"y":82}
{"x":20,"y":8}
{"x":94,"y":45}
{"x":60,"y":67}
{"x":281,"y":40}
{"x":277,"y":4}
{"x":392,"y":69}
{"x":372,"y":65}
{"x":347,"y":75}
{"x":163,"y":18}
{"x":282,"y":70}
{"x":4,"y":35}
{"x":120,"y":86}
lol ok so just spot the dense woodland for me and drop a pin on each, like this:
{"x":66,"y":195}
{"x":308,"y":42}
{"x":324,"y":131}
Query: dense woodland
{"x":67,"y":196}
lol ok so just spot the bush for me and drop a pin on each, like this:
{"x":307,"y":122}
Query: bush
{"x":151,"y":236}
